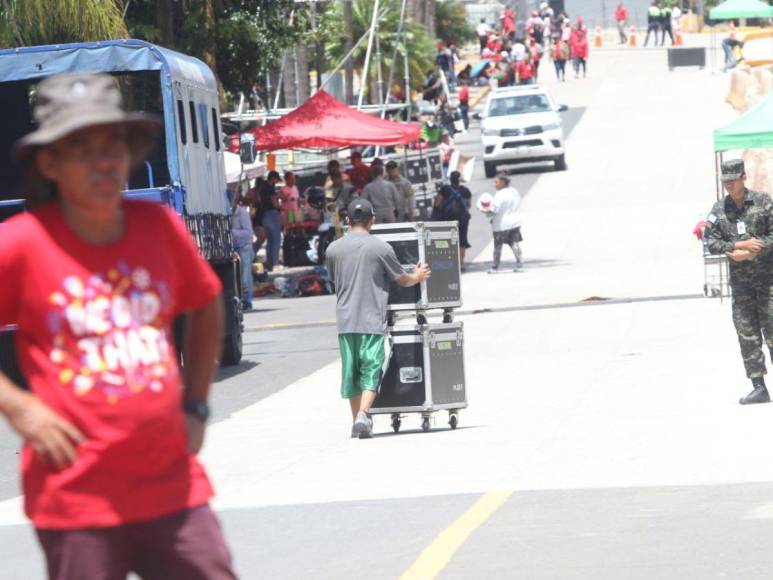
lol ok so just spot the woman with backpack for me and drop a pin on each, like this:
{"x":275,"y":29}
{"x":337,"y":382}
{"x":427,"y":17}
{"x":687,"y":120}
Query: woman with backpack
{"x":452,"y":203}
{"x":559,"y":51}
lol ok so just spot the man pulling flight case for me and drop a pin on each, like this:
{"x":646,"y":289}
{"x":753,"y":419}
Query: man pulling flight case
{"x":362,"y":268}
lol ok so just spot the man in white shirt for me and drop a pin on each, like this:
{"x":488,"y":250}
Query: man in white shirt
{"x":506,"y":222}
{"x":519,"y":51}
{"x":482,"y":31}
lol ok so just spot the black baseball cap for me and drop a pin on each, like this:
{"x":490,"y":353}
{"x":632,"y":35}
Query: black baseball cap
{"x":360,"y":211}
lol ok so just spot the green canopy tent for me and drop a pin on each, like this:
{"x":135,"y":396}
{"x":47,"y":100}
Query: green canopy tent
{"x":752,"y":130}
{"x":741,"y":9}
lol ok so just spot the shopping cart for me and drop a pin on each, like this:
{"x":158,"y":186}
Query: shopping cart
{"x":716,"y":275}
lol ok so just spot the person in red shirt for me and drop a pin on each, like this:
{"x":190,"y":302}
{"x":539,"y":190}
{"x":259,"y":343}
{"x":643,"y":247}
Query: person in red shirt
{"x":359,"y":174}
{"x":111,"y":427}
{"x":524,"y":71}
{"x":621,"y":17}
{"x":508,"y":23}
{"x":494,"y":44}
{"x":536,"y":55}
{"x":559,"y":52}
{"x":578,"y":45}
{"x":464,"y":106}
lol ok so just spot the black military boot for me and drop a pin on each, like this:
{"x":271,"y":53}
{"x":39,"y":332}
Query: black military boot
{"x":758,"y":395}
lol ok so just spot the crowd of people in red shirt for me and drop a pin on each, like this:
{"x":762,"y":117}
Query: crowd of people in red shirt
{"x":516,"y":48}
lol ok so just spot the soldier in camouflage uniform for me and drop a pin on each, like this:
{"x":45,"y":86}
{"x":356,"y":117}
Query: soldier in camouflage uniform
{"x":741,"y":226}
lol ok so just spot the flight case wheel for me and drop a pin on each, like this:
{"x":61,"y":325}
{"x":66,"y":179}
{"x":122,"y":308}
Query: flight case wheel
{"x":453,"y":420}
{"x":396,"y":422}
{"x":425,"y":424}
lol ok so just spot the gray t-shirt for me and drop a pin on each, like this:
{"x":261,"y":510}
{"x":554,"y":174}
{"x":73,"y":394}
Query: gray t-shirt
{"x":362,"y":268}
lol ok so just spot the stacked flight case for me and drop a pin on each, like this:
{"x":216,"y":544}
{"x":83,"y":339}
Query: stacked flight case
{"x":424,"y":372}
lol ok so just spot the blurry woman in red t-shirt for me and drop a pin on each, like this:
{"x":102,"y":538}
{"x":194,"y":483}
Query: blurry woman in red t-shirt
{"x":536,"y":55}
{"x":525,"y":71}
{"x":578,"y":44}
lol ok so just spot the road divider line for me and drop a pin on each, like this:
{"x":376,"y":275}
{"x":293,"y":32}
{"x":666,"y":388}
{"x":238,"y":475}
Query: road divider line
{"x":433,"y":560}
{"x":281,"y":325}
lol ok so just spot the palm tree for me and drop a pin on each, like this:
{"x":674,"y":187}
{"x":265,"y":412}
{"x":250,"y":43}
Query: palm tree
{"x":34,"y":22}
{"x":420,"y":45}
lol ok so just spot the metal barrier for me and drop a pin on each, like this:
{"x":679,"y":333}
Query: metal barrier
{"x":212,"y":233}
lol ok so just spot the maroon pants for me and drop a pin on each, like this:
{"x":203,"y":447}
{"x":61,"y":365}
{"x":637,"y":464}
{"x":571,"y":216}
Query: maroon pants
{"x":187,"y":545}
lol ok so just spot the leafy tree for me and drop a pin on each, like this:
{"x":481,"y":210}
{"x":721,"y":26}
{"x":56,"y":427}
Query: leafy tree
{"x":241,"y":40}
{"x":420,"y":45}
{"x":451,"y":22}
{"x":35,"y":22}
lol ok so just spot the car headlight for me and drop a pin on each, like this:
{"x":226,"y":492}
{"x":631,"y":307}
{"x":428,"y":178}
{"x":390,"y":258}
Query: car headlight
{"x":490,"y":132}
{"x":551,"y":126}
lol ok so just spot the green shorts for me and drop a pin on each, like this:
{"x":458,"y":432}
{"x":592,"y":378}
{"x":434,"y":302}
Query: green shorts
{"x":362,"y":356}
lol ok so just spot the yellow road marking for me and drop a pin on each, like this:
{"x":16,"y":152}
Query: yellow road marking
{"x":435,"y":558}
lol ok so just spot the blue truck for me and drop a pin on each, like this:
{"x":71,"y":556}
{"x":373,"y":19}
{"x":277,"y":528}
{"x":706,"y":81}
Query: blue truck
{"x":186,"y":170}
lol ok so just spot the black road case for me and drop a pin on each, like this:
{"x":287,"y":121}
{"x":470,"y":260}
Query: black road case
{"x":424,"y":373}
{"x":434,"y":243}
{"x":693,"y":56}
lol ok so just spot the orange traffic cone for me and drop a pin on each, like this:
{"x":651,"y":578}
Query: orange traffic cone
{"x":597,"y":40}
{"x":679,"y":41}
{"x":632,"y":36}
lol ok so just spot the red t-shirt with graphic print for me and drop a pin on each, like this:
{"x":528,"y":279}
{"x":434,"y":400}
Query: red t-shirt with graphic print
{"x":95,"y":344}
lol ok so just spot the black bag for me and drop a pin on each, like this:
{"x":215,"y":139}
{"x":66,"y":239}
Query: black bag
{"x":294,"y":248}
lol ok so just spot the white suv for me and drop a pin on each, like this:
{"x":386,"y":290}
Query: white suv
{"x":521,"y":125}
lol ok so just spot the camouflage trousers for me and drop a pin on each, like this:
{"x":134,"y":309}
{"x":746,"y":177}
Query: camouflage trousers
{"x":753,"y":318}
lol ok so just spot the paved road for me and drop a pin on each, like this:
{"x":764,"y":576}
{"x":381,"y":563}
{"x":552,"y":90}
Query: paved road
{"x":602,"y":441}
{"x":287,"y":339}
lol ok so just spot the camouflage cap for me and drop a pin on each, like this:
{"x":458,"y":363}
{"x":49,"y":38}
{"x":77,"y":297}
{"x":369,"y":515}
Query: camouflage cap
{"x":732,"y":169}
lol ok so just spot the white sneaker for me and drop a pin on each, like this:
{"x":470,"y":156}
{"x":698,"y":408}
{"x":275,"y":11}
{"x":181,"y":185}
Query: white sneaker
{"x":363,"y":427}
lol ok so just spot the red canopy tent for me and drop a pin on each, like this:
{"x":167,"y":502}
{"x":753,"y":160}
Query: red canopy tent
{"x":324,"y":121}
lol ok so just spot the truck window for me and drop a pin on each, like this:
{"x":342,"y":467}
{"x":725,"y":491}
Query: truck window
{"x":181,"y":122}
{"x":204,"y":124}
{"x":194,"y":124}
{"x":215,"y":131}
{"x":18,"y":97}
{"x":141,"y":92}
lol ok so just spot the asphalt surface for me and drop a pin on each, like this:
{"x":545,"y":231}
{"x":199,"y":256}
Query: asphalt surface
{"x":286,"y":340}
{"x":668,"y":533}
{"x":615,"y":428}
